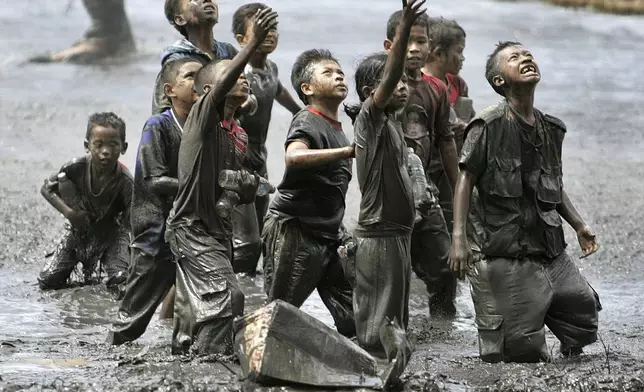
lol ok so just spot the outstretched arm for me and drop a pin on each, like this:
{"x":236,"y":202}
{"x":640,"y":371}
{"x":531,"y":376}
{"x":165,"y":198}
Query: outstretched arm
{"x":285,"y":99}
{"x":395,"y":65}
{"x":265,"y":20}
{"x":298,"y":154}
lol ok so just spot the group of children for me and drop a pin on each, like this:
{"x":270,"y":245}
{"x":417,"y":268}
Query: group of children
{"x":211,"y":113}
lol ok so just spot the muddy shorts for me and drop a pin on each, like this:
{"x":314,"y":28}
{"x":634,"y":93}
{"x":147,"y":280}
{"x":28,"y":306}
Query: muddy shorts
{"x":514,"y":298}
{"x":149,"y":280}
{"x":381,"y":290}
{"x":208,"y":296}
{"x":296,"y":263}
{"x":111,"y":251}
{"x":430,"y":247}
{"x":247,"y":245}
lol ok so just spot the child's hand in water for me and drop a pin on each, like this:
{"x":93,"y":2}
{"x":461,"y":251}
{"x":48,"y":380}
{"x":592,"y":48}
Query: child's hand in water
{"x":411,"y":12}
{"x":265,"y":21}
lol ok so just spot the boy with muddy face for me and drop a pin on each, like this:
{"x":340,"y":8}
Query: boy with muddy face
{"x":155,"y":187}
{"x":264,"y":81}
{"x":302,"y":229}
{"x":195,"y":20}
{"x":443,"y":65}
{"x":427,"y":125}
{"x":208,"y":296}
{"x":94,"y":194}
{"x":514,"y":251}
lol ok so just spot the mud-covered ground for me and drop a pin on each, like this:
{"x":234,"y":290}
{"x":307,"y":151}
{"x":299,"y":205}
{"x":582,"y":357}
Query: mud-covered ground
{"x":591,"y":68}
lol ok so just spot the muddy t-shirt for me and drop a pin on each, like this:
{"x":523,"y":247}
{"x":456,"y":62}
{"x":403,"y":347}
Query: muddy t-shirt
{"x":315,"y":195}
{"x":108,"y":207}
{"x":158,"y":156}
{"x":266,"y":86}
{"x":206,"y":149}
{"x":387,"y":205}
{"x":441,"y":124}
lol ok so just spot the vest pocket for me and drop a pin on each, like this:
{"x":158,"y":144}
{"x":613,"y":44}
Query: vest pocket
{"x":490,"y":337}
{"x":549,"y":189}
{"x":507,"y":178}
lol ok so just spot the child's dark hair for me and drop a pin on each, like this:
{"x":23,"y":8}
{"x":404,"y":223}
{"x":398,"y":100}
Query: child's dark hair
{"x":492,"y":66}
{"x":368,"y":74}
{"x":396,"y":18}
{"x":171,"y":9}
{"x":206,"y":76}
{"x":444,"y":33}
{"x":105,"y":119}
{"x":302,"y":71}
{"x":243,"y":15}
{"x":170,"y":69}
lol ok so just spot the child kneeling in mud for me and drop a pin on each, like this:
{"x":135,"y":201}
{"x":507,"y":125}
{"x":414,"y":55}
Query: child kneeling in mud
{"x":94,"y":193}
{"x":207,"y":292}
{"x":387,"y":212}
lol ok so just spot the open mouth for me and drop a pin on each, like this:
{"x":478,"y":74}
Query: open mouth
{"x":528,"y":68}
{"x":209,"y":8}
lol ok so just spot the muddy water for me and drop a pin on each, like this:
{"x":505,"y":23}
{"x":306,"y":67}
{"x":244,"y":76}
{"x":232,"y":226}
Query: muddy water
{"x":591,"y":66}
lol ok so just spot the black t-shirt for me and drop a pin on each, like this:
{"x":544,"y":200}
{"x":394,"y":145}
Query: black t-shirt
{"x":158,"y":156}
{"x":108,"y":208}
{"x":266,"y":86}
{"x":315,"y":195}
{"x":206,"y":149}
{"x":387,"y":204}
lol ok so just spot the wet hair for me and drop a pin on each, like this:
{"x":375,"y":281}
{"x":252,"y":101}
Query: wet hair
{"x":243,"y":15}
{"x":444,"y":33}
{"x":105,"y":119}
{"x":369,"y":72}
{"x":493,"y":66}
{"x":208,"y":74}
{"x":396,"y":18}
{"x":172,"y":9}
{"x":302,"y":71}
{"x":170,"y":69}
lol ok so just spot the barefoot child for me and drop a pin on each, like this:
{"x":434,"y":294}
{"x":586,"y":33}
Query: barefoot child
{"x":155,"y":186}
{"x":94,"y":193}
{"x":265,"y":84}
{"x":383,"y":235}
{"x":208,"y":296}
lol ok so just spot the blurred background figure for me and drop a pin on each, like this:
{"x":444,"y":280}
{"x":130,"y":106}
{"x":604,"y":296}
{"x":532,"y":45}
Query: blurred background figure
{"x":109,"y":35}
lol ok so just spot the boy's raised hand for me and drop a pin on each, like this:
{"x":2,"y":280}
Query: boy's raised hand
{"x":411,"y":12}
{"x":265,"y":21}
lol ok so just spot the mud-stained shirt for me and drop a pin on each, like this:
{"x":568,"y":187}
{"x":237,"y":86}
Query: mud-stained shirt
{"x":315,"y":195}
{"x":387,"y":204}
{"x":431,"y":95}
{"x":207,"y":148}
{"x":157,"y":156}
{"x":107,"y":208}
{"x":266,"y":86}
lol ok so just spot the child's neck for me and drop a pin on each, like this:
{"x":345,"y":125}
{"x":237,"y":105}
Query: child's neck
{"x":414,"y":74}
{"x":229,"y":110}
{"x":258,"y":60}
{"x":181,"y":111}
{"x":433,"y":69}
{"x":522,"y":101}
{"x":326,"y":107}
{"x":203,"y":38}
{"x":99,"y":174}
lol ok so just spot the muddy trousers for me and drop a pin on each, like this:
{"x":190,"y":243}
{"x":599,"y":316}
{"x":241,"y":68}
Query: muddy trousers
{"x":430,"y":247}
{"x":109,"y":21}
{"x":247,"y":245}
{"x":381,"y":290}
{"x":208,"y":296}
{"x":112,"y":253}
{"x":149,"y":280}
{"x":296,"y":263}
{"x":513,"y":299}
